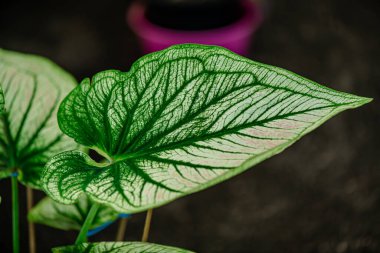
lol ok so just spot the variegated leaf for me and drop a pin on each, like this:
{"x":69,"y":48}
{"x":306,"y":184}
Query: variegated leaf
{"x":29,"y":134}
{"x":182,"y":120}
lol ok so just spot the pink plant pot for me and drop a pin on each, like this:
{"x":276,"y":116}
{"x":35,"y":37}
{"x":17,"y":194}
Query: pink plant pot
{"x":236,"y":36}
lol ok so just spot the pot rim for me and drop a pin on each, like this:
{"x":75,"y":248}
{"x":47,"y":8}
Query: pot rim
{"x":243,"y":27}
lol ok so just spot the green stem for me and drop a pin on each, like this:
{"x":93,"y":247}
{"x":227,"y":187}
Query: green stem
{"x":15,"y":220}
{"x":82,"y":236}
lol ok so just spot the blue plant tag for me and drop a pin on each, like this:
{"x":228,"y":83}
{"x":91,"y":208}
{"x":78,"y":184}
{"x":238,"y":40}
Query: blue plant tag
{"x":96,"y":230}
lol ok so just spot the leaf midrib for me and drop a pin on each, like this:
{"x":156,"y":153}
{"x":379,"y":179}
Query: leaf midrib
{"x":189,"y":141}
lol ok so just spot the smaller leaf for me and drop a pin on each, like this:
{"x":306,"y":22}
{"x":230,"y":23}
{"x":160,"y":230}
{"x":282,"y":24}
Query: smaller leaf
{"x":69,"y":217}
{"x":120,"y":247}
{"x":33,"y":87}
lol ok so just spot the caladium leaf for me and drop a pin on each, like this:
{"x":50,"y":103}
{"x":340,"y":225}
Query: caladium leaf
{"x":29,"y":134}
{"x":69,"y":217}
{"x":120,"y":247}
{"x":179,"y":121}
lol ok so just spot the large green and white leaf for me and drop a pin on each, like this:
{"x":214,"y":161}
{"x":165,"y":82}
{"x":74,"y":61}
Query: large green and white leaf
{"x":29,"y":134}
{"x":119,"y":247}
{"x":179,"y":121}
{"x":69,"y":217}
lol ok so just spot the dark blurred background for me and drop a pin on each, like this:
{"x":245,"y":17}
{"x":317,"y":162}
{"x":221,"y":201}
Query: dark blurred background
{"x":320,"y":195}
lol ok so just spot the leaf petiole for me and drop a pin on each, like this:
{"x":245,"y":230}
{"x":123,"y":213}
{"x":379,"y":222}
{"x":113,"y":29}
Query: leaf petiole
{"x":15,"y":216}
{"x":148,"y":220}
{"x":121,"y":230}
{"x":82,"y":236}
{"x":32,"y":232}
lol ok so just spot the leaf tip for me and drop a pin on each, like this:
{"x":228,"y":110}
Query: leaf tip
{"x":361,"y":101}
